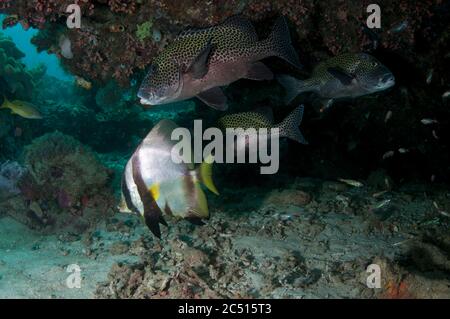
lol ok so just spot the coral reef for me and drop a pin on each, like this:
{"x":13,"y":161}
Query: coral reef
{"x":144,"y":30}
{"x":66,"y":187}
{"x":123,"y":45}
{"x":14,"y":78}
{"x":61,"y":165}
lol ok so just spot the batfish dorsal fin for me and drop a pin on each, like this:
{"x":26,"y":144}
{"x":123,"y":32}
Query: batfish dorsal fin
{"x":161,"y":134}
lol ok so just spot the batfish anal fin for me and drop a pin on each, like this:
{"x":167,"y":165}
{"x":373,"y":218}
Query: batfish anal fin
{"x":152,"y":213}
{"x":152,"y":223}
{"x":162,"y":221}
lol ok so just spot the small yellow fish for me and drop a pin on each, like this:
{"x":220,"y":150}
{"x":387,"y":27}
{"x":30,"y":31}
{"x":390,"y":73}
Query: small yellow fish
{"x":83,"y":83}
{"x":351,"y":182}
{"x":22,"y":108}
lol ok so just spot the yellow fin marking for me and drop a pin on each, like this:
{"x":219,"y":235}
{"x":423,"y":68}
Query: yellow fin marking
{"x":154,"y":190}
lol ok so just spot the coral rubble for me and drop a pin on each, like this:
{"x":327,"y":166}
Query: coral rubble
{"x":318,"y":248}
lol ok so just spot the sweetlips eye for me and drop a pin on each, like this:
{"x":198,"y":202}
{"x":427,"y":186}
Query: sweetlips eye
{"x":153,"y":69}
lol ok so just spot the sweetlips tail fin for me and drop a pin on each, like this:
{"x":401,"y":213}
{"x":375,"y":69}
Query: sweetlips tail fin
{"x":289,"y":126}
{"x":280,"y":43}
{"x":291,"y":86}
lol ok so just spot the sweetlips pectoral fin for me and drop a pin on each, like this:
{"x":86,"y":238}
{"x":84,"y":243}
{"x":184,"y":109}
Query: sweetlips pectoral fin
{"x":344,"y":77}
{"x":205,"y":174}
{"x":199,"y":66}
{"x":214,"y":98}
{"x":260,"y":72}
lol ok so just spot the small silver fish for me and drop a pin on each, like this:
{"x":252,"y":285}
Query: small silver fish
{"x":388,"y":155}
{"x":382,"y":204}
{"x":403,"y":150}
{"x":435,"y":134}
{"x":388,"y":116}
{"x":430,"y":76}
{"x":400,"y":27}
{"x":351,"y":182}
{"x":445,"y":95}
{"x":428,"y":121}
